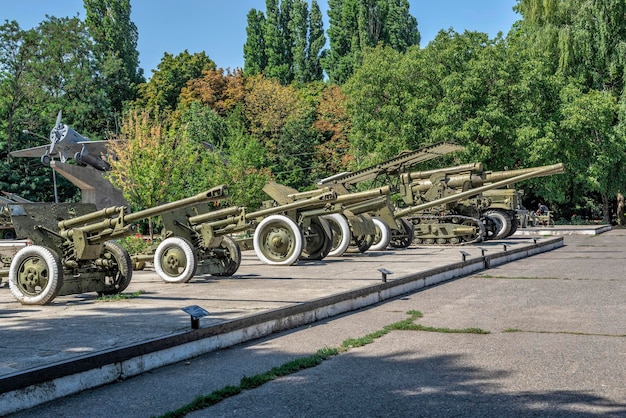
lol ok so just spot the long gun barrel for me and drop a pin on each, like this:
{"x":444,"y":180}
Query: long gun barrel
{"x":392,"y":166}
{"x":88,"y":222}
{"x":524,"y":175}
{"x":452,"y":180}
{"x":422,"y":175}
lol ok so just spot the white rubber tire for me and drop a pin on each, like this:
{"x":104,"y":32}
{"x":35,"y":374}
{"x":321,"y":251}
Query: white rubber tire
{"x":276,"y":223}
{"x":181,"y":264}
{"x":340,"y":223}
{"x":385,"y":235}
{"x":51,"y":272}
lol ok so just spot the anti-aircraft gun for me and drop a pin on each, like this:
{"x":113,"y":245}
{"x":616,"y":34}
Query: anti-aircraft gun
{"x":388,"y":229}
{"x":74,"y":250}
{"x":451,"y":206}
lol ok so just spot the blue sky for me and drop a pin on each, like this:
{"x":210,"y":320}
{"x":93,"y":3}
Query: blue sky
{"x":218,"y":27}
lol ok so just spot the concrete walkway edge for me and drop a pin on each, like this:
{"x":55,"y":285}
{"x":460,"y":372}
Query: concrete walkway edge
{"x":42,"y":384}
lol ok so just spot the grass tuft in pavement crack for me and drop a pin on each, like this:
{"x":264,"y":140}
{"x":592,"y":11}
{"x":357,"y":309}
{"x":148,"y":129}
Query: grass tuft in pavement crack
{"x":293,"y":366}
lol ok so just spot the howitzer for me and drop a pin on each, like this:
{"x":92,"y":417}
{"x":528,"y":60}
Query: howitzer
{"x":281,"y":232}
{"x":276,"y":238}
{"x":373,"y":229}
{"x":499,"y":207}
{"x":329,"y":230}
{"x":73,"y":249}
{"x":451,"y":215}
{"x":389,"y":169}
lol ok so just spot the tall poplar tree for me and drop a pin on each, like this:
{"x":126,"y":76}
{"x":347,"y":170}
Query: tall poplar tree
{"x":286,"y":43}
{"x":316,"y":42}
{"x":115,"y":48}
{"x":254,"y":56}
{"x":358,"y":24}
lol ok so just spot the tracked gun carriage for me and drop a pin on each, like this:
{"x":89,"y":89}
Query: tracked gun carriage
{"x":457,"y":205}
{"x":377,"y":227}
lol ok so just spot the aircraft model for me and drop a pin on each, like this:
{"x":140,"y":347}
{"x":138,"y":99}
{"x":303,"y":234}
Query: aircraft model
{"x":67,"y":143}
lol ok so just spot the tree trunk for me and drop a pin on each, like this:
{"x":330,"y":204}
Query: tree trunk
{"x":606,"y":209}
{"x":620,"y":209}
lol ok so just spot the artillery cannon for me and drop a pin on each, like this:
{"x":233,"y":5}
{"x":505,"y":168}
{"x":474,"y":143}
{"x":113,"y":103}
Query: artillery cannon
{"x":329,"y":230}
{"x":274,"y":236}
{"x":73,"y":249}
{"x":280,"y":233}
{"x":377,"y":227}
{"x":446,"y":206}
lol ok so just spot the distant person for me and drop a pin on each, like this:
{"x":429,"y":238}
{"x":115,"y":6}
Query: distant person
{"x":542,"y":209}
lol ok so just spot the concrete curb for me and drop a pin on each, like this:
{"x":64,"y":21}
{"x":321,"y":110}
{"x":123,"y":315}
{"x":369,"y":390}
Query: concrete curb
{"x":42,"y":384}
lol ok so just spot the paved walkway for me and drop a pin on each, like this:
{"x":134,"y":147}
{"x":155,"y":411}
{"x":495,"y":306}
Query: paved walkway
{"x":566,"y":358}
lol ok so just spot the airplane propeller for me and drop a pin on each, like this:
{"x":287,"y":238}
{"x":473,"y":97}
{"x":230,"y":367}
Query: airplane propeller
{"x":55,"y":138}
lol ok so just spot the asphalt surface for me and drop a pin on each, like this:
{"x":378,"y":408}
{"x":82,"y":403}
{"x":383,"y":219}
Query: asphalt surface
{"x":556,"y":343}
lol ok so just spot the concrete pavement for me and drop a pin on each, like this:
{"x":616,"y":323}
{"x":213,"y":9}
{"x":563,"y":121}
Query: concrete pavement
{"x":416,"y":371}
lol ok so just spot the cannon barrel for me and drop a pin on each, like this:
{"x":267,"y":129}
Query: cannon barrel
{"x":454,"y":182}
{"x":91,"y":217}
{"x":308,"y":194}
{"x":492,"y":176}
{"x":526,"y":174}
{"x":472,"y":180}
{"x":370,"y":205}
{"x":216,"y":214}
{"x":216,"y":193}
{"x":100,"y":219}
{"x":422,"y":175}
{"x":315,"y":201}
{"x":361,"y":196}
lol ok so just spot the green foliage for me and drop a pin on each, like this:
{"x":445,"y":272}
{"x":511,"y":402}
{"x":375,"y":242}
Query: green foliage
{"x":255,"y":60}
{"x":356,"y":25}
{"x":115,"y":48}
{"x":286,"y":43}
{"x":161,"y":93}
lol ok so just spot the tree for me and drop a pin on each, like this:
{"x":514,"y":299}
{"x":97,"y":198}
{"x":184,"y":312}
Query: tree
{"x":115,"y":47}
{"x":255,"y":60}
{"x":17,"y":49}
{"x":286,"y":43}
{"x":172,"y":74}
{"x":52,"y":69}
{"x":587,"y":38}
{"x":333,"y":124}
{"x":359,"y":24}
{"x":154,"y":165}
{"x":588,"y":130}
{"x":221,"y":91}
{"x":316,"y":42}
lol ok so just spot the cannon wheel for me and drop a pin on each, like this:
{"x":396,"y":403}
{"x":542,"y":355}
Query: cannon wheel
{"x":382,"y":237}
{"x":35,"y":275}
{"x":232,"y":257}
{"x":317,"y":240}
{"x":514,"y":226}
{"x":278,"y":241}
{"x":175,"y":260}
{"x":341,"y":234}
{"x":122,"y":273}
{"x":498,"y":224}
{"x":403,"y":237}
